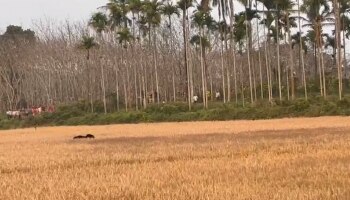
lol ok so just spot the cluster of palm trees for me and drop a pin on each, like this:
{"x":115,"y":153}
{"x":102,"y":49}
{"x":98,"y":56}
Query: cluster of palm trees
{"x":265,"y":48}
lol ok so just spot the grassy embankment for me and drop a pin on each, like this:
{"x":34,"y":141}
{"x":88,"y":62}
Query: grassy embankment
{"x":78,"y":114}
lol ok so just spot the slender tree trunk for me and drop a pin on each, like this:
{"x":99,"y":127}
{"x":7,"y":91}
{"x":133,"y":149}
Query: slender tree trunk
{"x":144,"y":87}
{"x":249,"y":62}
{"x":202,"y":67}
{"x":228,"y":77}
{"x":291,"y":58}
{"x":235,"y":74}
{"x":323,"y":73}
{"x":318,"y":38}
{"x":173,"y":68}
{"x":338,"y":46}
{"x":184,"y":30}
{"x":156,"y":64}
{"x":223,"y":71}
{"x":103,"y":88}
{"x":254,"y":82}
{"x":232,"y":43}
{"x":259,"y":60}
{"x":136,"y":89}
{"x":125,"y":95}
{"x":242,"y":84}
{"x":268,"y":73}
{"x":288,"y":92}
{"x":90,"y":82}
{"x":278,"y":60}
{"x":301,"y":53}
{"x":344,"y":43}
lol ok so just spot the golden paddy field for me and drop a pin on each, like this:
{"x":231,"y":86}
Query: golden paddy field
{"x":303,"y":158}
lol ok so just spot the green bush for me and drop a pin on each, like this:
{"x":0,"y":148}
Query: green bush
{"x":300,"y":105}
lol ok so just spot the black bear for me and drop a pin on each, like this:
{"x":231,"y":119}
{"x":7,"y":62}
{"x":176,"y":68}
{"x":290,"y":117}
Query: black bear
{"x":78,"y":137}
{"x":88,"y":136}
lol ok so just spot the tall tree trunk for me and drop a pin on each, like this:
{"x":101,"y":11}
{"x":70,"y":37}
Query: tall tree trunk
{"x":254,"y":81}
{"x":323,"y":73}
{"x":291,"y":58}
{"x":223,"y":71}
{"x":125,"y":95}
{"x":228,"y":73}
{"x":278,"y":59}
{"x":173,"y":67}
{"x":103,"y":88}
{"x":233,"y":49}
{"x":184,"y":30}
{"x":338,"y":46}
{"x":156,"y":64}
{"x":344,"y":43}
{"x":301,"y":53}
{"x":318,"y":38}
{"x":117,"y":88}
{"x":288,"y":86}
{"x":259,"y":60}
{"x":268,"y":71}
{"x":249,"y":62}
{"x":202,"y":67}
{"x":242,"y":84}
{"x":136,"y":89}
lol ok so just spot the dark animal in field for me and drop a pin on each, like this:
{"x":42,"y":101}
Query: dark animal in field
{"x":79,"y":137}
{"x":88,"y":136}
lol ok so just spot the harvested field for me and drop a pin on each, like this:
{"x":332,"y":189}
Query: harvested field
{"x":303,"y":158}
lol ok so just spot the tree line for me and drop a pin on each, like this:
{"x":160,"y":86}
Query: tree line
{"x":133,"y":53}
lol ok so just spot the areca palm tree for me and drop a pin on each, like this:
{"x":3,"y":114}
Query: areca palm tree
{"x":240,"y":36}
{"x":223,"y":8}
{"x":318,"y":13}
{"x":248,"y":15}
{"x":337,"y":31}
{"x":184,"y":5}
{"x":302,"y":45}
{"x":200,"y":19}
{"x":344,"y":11}
{"x":87,"y":43}
{"x":169,"y":10}
{"x":223,"y":30}
{"x":233,"y":46}
{"x":135,"y":7}
{"x":278,"y":12}
{"x":267,"y":21}
{"x":330,"y":42}
{"x":284,"y":8}
{"x":152,"y":10}
{"x":124,"y":37}
{"x":99,"y":22}
{"x":118,"y":10}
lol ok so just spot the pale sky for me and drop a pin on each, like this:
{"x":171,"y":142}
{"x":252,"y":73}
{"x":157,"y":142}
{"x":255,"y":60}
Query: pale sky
{"x":24,"y":12}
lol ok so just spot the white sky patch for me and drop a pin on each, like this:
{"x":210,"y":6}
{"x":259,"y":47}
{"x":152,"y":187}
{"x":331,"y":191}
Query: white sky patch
{"x":24,"y":12}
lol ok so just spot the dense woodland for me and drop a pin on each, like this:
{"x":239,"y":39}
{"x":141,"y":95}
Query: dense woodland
{"x":135,"y":53}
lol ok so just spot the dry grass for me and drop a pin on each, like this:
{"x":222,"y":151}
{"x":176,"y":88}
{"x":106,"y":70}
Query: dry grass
{"x":277,"y":159}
